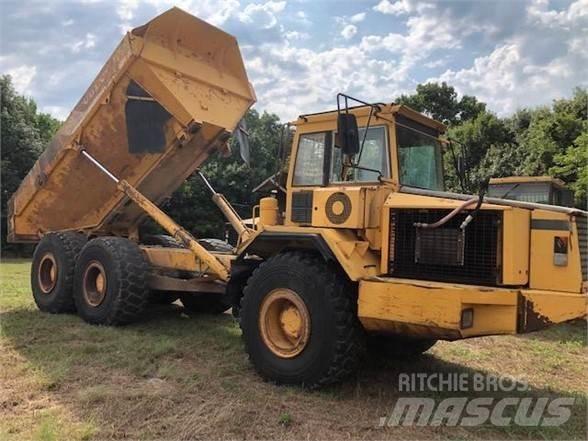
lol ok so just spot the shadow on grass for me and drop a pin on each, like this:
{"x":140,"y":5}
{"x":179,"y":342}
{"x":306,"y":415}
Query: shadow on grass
{"x":203,"y":351}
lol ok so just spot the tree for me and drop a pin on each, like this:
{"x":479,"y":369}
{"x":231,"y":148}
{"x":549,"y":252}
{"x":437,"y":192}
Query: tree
{"x":440,"y":102}
{"x":23,"y":134}
{"x":191,"y":205}
{"x":486,"y":141}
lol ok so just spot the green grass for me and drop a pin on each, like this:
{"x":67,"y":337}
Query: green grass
{"x":172,"y":376}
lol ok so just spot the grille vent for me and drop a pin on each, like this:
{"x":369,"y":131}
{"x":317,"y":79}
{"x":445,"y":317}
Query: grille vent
{"x":302,"y":207}
{"x":479,"y":263}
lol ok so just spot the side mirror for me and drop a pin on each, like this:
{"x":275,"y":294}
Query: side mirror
{"x":347,"y":134}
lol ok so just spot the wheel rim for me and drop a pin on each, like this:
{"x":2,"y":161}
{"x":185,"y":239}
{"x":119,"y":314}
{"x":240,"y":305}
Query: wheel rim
{"x":47,"y":274}
{"x":94,"y":286}
{"x":284,"y":323}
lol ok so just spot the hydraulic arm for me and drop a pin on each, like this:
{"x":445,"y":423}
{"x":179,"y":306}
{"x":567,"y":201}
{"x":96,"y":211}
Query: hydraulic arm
{"x":164,"y":221}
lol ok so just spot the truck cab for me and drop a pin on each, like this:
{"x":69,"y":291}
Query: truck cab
{"x":540,"y":189}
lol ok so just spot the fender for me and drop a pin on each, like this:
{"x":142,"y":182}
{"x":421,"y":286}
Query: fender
{"x":337,"y":245}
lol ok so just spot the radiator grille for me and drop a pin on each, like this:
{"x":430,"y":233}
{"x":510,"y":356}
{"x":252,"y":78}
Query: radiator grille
{"x":582,"y":226}
{"x":479,"y":264}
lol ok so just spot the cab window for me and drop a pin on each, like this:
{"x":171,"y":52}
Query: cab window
{"x":419,"y":156}
{"x":374,"y":157}
{"x":309,"y":167}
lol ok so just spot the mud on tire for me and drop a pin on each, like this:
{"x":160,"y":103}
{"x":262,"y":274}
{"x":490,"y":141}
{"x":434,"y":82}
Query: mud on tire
{"x":52,"y":271}
{"x":336,"y":339}
{"x":111,"y":282}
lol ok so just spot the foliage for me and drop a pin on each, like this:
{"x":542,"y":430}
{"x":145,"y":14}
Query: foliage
{"x":439,"y":101}
{"x":24,"y":133}
{"x":549,"y":140}
{"x":191,"y":205}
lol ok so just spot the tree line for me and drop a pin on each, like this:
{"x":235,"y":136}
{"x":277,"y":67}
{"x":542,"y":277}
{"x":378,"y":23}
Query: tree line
{"x":547,"y":140}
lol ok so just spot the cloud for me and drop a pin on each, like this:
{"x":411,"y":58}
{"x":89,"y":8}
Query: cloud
{"x":517,"y":54}
{"x":296,"y":35}
{"x":22,"y":77}
{"x":401,"y":7}
{"x":534,"y":65}
{"x":88,"y":42}
{"x":507,"y":79}
{"x":262,"y":14}
{"x":349,"y":31}
{"x":575,"y":14}
{"x":356,"y":18}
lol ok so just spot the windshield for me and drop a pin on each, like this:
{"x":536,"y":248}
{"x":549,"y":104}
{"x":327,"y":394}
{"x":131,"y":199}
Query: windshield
{"x":374,"y":156}
{"x":420,"y":161}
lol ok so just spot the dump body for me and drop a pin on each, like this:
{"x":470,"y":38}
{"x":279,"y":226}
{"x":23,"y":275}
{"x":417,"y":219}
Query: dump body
{"x":171,"y":94}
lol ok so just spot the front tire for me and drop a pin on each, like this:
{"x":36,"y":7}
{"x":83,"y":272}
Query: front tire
{"x":52,"y":271}
{"x":111,"y":282}
{"x":299,"y":321}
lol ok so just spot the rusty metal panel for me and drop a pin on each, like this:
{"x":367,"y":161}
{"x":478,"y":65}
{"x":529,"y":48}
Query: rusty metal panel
{"x":175,"y":88}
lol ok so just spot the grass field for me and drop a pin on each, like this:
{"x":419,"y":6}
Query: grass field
{"x":178,"y":377}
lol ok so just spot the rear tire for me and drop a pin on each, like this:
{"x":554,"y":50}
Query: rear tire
{"x":52,"y":271}
{"x":299,"y":321}
{"x":398,"y":346}
{"x":111,"y":282}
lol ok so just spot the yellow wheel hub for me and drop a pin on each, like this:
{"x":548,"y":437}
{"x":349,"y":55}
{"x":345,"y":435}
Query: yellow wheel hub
{"x":284,"y":323}
{"x":94,"y":285}
{"x":47,"y":274}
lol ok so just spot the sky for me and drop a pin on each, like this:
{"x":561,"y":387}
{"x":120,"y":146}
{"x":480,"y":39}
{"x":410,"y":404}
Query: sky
{"x":300,"y":53}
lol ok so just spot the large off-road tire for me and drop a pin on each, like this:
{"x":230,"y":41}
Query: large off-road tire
{"x":163,"y":240}
{"x":220,"y":246}
{"x":111,"y":281}
{"x":398,"y":346}
{"x":299,"y":321}
{"x":52,"y":271}
{"x":206,"y":303}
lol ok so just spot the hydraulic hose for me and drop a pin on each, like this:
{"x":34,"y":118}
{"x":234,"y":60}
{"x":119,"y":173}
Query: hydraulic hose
{"x":455,"y":212}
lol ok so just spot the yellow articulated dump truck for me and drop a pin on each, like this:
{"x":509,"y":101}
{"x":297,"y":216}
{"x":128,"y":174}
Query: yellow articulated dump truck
{"x":367,"y":245}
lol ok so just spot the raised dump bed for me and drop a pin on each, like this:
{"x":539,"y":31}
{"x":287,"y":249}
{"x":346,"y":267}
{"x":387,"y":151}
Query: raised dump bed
{"x":170,"y":94}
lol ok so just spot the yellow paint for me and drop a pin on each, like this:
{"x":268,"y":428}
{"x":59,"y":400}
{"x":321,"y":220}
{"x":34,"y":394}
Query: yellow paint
{"x":557,"y":307}
{"x":515,"y":246}
{"x":357,"y":197}
{"x":528,"y":179}
{"x":544,"y":274}
{"x":433,"y":309}
{"x":268,"y":211}
{"x":354,"y":255}
{"x":182,"y":259}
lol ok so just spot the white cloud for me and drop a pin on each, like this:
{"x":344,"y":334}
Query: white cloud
{"x":539,"y":13}
{"x":88,"y":42}
{"x":215,"y":12}
{"x":296,"y":35}
{"x":349,"y":31}
{"x":356,"y":18}
{"x":262,"y":14}
{"x":22,"y":77}
{"x":58,"y":112}
{"x":507,"y":79}
{"x":396,"y":8}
